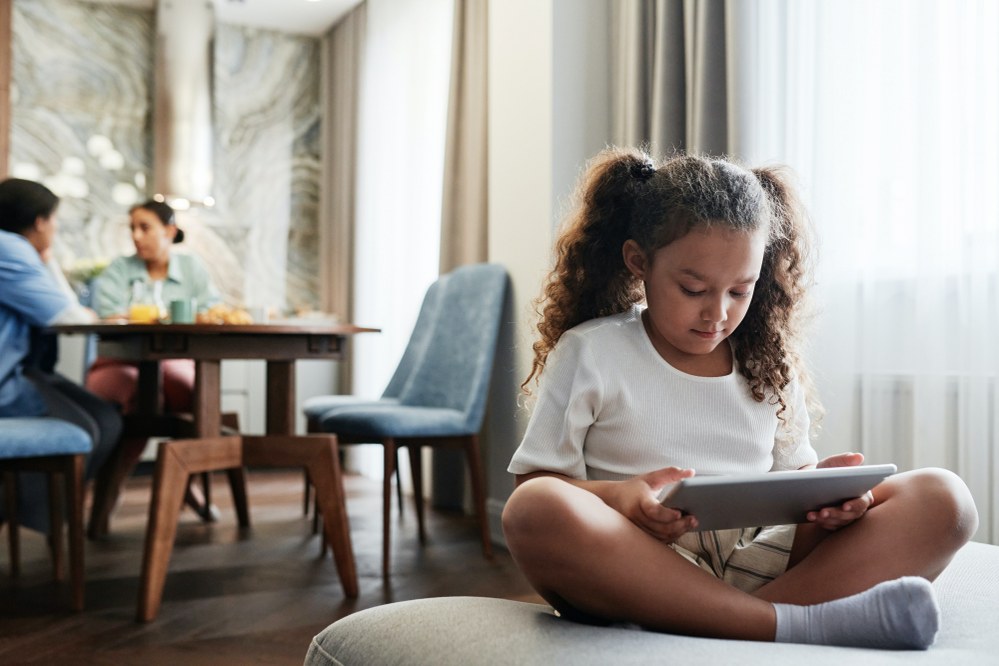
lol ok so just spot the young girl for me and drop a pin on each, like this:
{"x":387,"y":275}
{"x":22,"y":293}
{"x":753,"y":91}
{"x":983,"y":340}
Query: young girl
{"x":669,"y":332}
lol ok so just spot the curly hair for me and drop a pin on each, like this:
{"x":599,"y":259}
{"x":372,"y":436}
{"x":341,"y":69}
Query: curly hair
{"x":624,"y":194}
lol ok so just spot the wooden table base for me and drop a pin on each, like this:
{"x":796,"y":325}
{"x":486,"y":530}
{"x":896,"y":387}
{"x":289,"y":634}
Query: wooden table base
{"x":178,"y":459}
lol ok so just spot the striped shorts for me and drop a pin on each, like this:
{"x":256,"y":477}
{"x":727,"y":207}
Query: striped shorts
{"x":744,"y":558}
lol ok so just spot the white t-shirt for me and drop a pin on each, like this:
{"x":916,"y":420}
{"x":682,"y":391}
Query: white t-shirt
{"x":610,"y":407}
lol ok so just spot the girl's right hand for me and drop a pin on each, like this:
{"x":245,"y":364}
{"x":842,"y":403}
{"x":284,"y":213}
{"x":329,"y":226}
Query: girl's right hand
{"x":636,"y":500}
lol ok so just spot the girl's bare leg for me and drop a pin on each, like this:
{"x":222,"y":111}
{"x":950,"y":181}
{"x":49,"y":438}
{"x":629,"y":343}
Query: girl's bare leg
{"x":917,"y":523}
{"x":586,"y":559}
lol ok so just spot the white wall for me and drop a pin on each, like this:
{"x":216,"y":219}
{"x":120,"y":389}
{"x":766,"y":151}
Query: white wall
{"x":548,"y":112}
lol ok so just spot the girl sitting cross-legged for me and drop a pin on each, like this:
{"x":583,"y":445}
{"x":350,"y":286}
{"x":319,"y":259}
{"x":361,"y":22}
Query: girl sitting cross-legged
{"x":669,"y":343}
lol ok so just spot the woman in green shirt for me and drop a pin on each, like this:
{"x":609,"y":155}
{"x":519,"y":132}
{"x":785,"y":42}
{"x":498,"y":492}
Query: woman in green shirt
{"x":175,"y":276}
{"x":154,"y":267}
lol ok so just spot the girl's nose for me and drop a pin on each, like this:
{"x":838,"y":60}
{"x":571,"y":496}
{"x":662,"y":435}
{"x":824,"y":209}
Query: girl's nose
{"x":714,"y":312}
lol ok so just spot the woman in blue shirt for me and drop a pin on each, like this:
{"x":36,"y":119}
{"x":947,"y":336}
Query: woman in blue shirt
{"x":31,"y":299}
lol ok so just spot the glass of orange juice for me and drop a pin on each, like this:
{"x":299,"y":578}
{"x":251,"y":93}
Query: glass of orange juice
{"x":146,"y":304}
{"x":143,"y":313}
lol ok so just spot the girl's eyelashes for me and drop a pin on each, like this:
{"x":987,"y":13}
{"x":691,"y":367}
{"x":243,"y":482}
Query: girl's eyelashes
{"x":700,"y":292}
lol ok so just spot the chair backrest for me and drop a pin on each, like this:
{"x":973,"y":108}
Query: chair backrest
{"x":86,"y":298}
{"x":418,"y":341}
{"x":455,"y":370}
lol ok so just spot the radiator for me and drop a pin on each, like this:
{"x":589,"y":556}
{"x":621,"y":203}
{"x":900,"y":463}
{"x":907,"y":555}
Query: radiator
{"x":944,"y":421}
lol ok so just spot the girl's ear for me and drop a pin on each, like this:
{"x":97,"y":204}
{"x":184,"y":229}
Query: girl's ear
{"x":634,"y":259}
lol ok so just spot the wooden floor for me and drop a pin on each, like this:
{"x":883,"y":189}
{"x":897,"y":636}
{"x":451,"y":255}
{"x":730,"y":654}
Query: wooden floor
{"x":236,"y":598}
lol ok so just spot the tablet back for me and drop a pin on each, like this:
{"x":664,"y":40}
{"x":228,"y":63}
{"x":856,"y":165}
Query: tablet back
{"x":774,"y":498}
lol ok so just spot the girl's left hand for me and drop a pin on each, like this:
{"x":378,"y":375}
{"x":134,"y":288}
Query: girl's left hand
{"x":831,"y":517}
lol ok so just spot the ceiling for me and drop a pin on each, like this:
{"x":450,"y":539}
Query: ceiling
{"x":305,"y":17}
{"x":309,"y":17}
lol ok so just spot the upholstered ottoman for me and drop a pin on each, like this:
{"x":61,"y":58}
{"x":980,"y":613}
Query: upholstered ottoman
{"x":472,"y":630}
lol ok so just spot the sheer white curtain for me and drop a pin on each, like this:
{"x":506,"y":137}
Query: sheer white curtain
{"x":889,"y":113}
{"x":402,"y":123}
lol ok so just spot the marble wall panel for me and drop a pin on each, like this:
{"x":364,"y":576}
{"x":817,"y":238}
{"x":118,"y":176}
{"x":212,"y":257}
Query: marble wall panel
{"x":80,"y":115}
{"x":82,"y":123}
{"x":267,"y":162}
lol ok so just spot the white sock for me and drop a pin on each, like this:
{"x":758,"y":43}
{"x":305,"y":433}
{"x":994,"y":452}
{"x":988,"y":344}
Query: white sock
{"x":900,"y":614}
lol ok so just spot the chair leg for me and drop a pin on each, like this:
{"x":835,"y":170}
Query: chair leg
{"x":74,"y":493}
{"x":474,"y":456}
{"x":55,"y":524}
{"x":312,"y":428}
{"x":230,"y":423}
{"x":398,"y":484}
{"x":13,"y":529}
{"x":416,"y":466}
{"x":206,"y":491}
{"x":237,"y":484}
{"x":307,"y":497}
{"x":389,"y":462}
{"x":107,"y":484}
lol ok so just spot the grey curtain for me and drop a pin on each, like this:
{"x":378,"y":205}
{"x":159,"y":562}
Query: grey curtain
{"x":464,"y":224}
{"x":674,"y":64}
{"x":342,"y":52}
{"x":464,"y":205}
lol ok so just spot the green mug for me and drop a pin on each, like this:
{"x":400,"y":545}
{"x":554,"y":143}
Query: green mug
{"x":182,"y":311}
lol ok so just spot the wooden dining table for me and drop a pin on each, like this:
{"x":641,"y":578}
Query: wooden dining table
{"x":280,"y":345}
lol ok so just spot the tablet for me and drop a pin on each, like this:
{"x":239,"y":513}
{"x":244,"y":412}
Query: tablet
{"x":771,"y":498}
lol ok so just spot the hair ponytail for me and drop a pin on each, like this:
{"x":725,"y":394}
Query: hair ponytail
{"x":589,"y":278}
{"x":768,"y":342}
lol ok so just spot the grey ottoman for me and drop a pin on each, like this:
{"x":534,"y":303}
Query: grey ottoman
{"x":474,"y":630}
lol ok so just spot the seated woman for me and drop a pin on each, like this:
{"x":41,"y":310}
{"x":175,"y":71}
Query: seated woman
{"x":175,"y":276}
{"x":31,"y":298}
{"x":178,"y":276}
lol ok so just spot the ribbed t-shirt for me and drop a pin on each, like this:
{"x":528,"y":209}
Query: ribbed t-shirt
{"x":610,"y":407}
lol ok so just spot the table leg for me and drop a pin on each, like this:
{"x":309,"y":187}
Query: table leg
{"x":176,"y":461}
{"x":208,"y":423}
{"x":319,"y":455}
{"x":149,"y":396}
{"x":207,"y":419}
{"x":208,"y":398}
{"x":281,"y":397}
{"x":323,"y":470}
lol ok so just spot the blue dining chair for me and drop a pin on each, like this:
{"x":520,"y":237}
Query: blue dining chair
{"x":441,"y":398}
{"x":315,"y":407}
{"x":57,"y":448}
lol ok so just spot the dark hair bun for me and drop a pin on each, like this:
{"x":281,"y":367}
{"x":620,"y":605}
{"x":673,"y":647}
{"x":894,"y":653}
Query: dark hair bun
{"x":642,"y":170}
{"x":179,"y":238}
